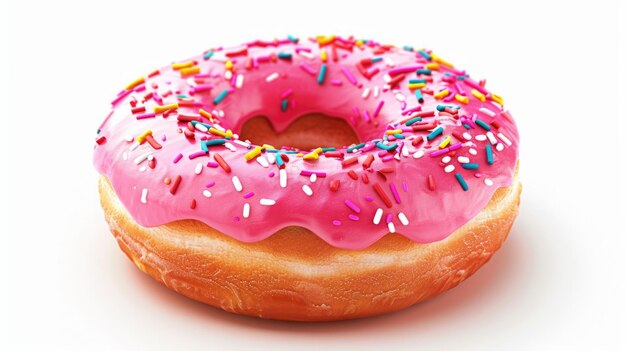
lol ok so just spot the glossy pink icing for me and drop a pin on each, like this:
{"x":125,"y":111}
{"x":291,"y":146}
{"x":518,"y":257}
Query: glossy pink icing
{"x":345,"y":218}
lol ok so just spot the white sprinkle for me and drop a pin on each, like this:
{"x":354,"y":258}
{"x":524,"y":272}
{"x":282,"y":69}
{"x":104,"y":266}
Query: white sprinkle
{"x":392,"y":228}
{"x":267,"y":202}
{"x":201,"y":127}
{"x":487,"y":111}
{"x":446,"y":159}
{"x":144,"y":196}
{"x":129,"y":138}
{"x":488,"y":182}
{"x":366,"y":93}
{"x":418,"y":154}
{"x":481,"y":137}
{"x":228,"y":75}
{"x":492,"y":138}
{"x":397,"y":157}
{"x":142,"y":158}
{"x":473,"y":151}
{"x":499,"y":147}
{"x":405,"y":151}
{"x":449,"y":168}
{"x":206,"y":193}
{"x":400,"y":97}
{"x":271,"y":77}
{"x":125,"y":155}
{"x":467,"y":136}
{"x":230,"y":147}
{"x":242,"y":143}
{"x":387,"y":78}
{"x":313,"y":178}
{"x":504,"y":138}
{"x":389,"y":62}
{"x":271,"y":157}
{"x":378,"y":215}
{"x":220,"y":113}
{"x":307,"y":190}
{"x":376,"y":91}
{"x":463,"y":159}
{"x":403,"y":219}
{"x":246,"y":210}
{"x":198,"y":169}
{"x":239,"y":81}
{"x":283,"y":178}
{"x":150,"y":157}
{"x":262,"y":161}
{"x":134,"y":146}
{"x":306,"y":54}
{"x":237,"y":183}
{"x":142,"y":169}
{"x":219,"y":127}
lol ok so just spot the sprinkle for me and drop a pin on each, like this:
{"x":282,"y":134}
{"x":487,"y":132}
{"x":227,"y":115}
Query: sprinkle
{"x":379,"y":106}
{"x":499,"y":147}
{"x":431,"y":182}
{"x":198,"y":169}
{"x":237,"y":183}
{"x":177,"y":158}
{"x":283,"y":177}
{"x":381,"y":194}
{"x":334,"y":185}
{"x":307,"y":68}
{"x":461,"y":181}
{"x":175,"y":185}
{"x":488,"y":182}
{"x":477,"y":94}
{"x":403,"y":219}
{"x":336,"y":223}
{"x":489,"y":153}
{"x":284,"y":104}
{"x":487,"y":111}
{"x":492,"y":139}
{"x":445,"y":142}
{"x":440,"y":95}
{"x":135,"y":83}
{"x":322,"y":74}
{"x":144,"y":196}
{"x":272,"y":77}
{"x":355,"y":147}
{"x":206,"y":193}
{"x":504,"y":138}
{"x":449,"y":168}
{"x":351,"y":205}
{"x":353,"y":217}
{"x":253,"y":153}
{"x":463,"y":159}
{"x":418,"y":154}
{"x":392,"y":228}
{"x":193,"y":204}
{"x":205,"y":114}
{"x":461,"y":98}
{"x":350,"y":161}
{"x":434,"y":133}
{"x":218,"y":158}
{"x":353,"y":174}
{"x":389,"y":148}
{"x":142,"y":158}
{"x":267,"y":202}
{"x":348,"y":75}
{"x":313,"y":178}
{"x":307,"y":190}
{"x":394,"y":191}
{"x":470,"y":165}
{"x":220,"y":97}
{"x":378,"y":215}
{"x":189,"y":71}
{"x":482,"y":124}
{"x":423,"y":71}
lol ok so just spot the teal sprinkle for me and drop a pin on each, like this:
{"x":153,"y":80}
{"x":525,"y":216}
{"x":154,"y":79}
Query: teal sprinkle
{"x":284,"y":104}
{"x":424,"y":71}
{"x":204,"y":124}
{"x":417,"y":81}
{"x":355,"y":147}
{"x":322,"y":74}
{"x":204,"y":147}
{"x":425,"y":55}
{"x":279,"y":161}
{"x":434,"y":133}
{"x":377,"y":59}
{"x":461,"y":181}
{"x":284,"y":55}
{"x":467,"y":126}
{"x":441,"y":107}
{"x":292,"y":38}
{"x":386,"y":147}
{"x":208,"y":55}
{"x":470,"y":165}
{"x":220,"y":97}
{"x":489,"y":153}
{"x":399,"y":136}
{"x":214,"y":142}
{"x":289,"y":152}
{"x":408,"y":48}
{"x":98,"y":131}
{"x":412,"y":121}
{"x":326,"y":149}
{"x":272,"y":151}
{"x":418,"y":95}
{"x":482,"y":124}
{"x":182,"y":96}
{"x":462,"y":77}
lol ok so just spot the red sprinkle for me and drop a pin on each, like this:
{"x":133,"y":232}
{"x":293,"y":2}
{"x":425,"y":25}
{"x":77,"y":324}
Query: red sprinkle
{"x":368,"y":161}
{"x":175,"y":185}
{"x":334,"y":185}
{"x":365,"y":178}
{"x":353,"y":174}
{"x":101,"y":140}
{"x":155,"y":145}
{"x":222,"y":163}
{"x":193,"y":204}
{"x":431,"y":182}
{"x":139,"y":109}
{"x":381,"y":193}
{"x":349,"y":161}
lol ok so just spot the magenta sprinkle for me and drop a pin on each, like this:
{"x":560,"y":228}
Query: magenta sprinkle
{"x":248,"y":195}
{"x":122,"y":95}
{"x":209,"y":184}
{"x":352,"y":206}
{"x":140,"y":88}
{"x":353,"y":217}
{"x":163,"y":137}
{"x":198,"y":154}
{"x":367,"y":147}
{"x":177,"y":158}
{"x":405,"y":69}
{"x":475,"y":85}
{"x":201,"y":87}
{"x":387,"y":158}
{"x":378,"y":107}
{"x":301,"y":48}
{"x":456,"y":146}
{"x":308,"y":69}
{"x":394,"y":191}
{"x":236,"y":219}
{"x":336,"y":82}
{"x":348,"y":75}
{"x":336,"y":222}
{"x":271,"y":174}
{"x":459,"y":88}
{"x":306,"y":172}
{"x":286,"y":93}
{"x":369,"y":198}
{"x":388,"y":218}
{"x":438,"y":152}
{"x":405,"y":187}
{"x":403,"y":105}
{"x":146,"y":115}
{"x":212,"y":164}
{"x":366,"y":116}
{"x":411,"y":110}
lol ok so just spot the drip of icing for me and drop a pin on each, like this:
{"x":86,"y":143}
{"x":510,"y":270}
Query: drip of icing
{"x":423,"y":112}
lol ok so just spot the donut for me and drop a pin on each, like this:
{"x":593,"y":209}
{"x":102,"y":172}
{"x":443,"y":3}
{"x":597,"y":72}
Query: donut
{"x":309,"y":179}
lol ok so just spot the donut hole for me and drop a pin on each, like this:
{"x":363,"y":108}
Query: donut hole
{"x":306,"y":132}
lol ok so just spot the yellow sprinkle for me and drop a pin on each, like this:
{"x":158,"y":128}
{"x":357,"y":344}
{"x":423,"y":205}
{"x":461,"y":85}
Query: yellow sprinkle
{"x":414,"y":86}
{"x":228,"y":133}
{"x":323,"y":40}
{"x":268,"y":147}
{"x":323,"y":55}
{"x":160,"y":109}
{"x":442,"y":94}
{"x":359,"y":42}
{"x":182,"y":65}
{"x":299,"y":154}
{"x":497,"y":98}
{"x":311,"y":156}
{"x":432,"y":66}
{"x":229,"y":65}
{"x":135,"y":83}
{"x":445,"y":142}
{"x":253,"y":153}
{"x":318,"y":150}
{"x":189,"y":71}
{"x":393,"y":131}
{"x":205,"y":114}
{"x":142,"y":137}
{"x":442,"y":61}
{"x":461,"y":98}
{"x":477,"y":94}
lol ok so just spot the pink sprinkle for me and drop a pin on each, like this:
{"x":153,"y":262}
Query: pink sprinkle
{"x":352,"y":206}
{"x":198,"y":154}
{"x":286,"y":93}
{"x":459,"y":88}
{"x":439,"y":152}
{"x":122,"y":95}
{"x":378,"y":107}
{"x":212,"y":164}
{"x":405,"y":69}
{"x":403,"y":105}
{"x":475,"y":85}
{"x":177,"y":158}
{"x":411,"y":110}
{"x":140,"y":88}
{"x":388,"y":218}
{"x":405,"y":186}
{"x":353,"y":217}
{"x":263,"y":58}
{"x":201,"y":87}
{"x":336,"y":223}
{"x":146,"y":115}
{"x":368,"y":147}
{"x":308,"y":68}
{"x":306,"y":172}
{"x":248,"y":195}
{"x":163,"y":137}
{"x":369,"y":198}
{"x":271,"y":174}
{"x":348,"y":75}
{"x":210,"y":184}
{"x":336,"y":82}
{"x":456,"y":146}
{"x":387,"y":158}
{"x":366,"y":116}
{"x":394,"y":191}
{"x":302,"y":48}
{"x":236,"y":219}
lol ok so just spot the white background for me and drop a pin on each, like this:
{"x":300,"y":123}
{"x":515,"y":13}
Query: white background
{"x":558,"y":283}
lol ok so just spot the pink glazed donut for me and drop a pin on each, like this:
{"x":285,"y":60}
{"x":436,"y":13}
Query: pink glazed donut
{"x":309,"y":179}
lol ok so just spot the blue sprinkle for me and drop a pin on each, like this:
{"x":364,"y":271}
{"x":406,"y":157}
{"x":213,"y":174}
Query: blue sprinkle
{"x":434,"y":133}
{"x":208,"y":55}
{"x":284,"y":104}
{"x":220,"y":97}
{"x":489,"y":153}
{"x":470,"y":165}
{"x":461,"y":181}
{"x":322,"y":74}
{"x":425,"y":55}
{"x":412,"y":121}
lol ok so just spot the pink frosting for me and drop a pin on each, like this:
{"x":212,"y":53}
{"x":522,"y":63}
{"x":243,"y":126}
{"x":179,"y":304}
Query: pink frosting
{"x":282,"y":79}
